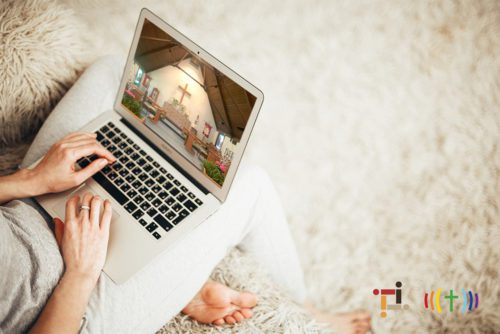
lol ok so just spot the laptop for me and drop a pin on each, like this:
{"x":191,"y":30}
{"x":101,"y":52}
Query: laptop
{"x":178,"y":128}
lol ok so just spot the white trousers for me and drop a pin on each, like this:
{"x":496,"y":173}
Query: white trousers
{"x":252,"y":218}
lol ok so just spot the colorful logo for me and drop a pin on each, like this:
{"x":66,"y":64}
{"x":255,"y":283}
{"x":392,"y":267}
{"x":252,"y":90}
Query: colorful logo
{"x":467,"y":303}
{"x":383,"y":299}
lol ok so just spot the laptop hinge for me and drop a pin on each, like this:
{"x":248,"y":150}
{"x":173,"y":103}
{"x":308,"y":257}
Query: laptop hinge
{"x":166,"y":157}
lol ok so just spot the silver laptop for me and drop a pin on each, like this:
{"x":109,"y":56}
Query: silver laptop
{"x":180,"y":124}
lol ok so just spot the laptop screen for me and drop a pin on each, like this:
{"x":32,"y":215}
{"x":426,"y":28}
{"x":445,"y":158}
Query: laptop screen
{"x":186,"y":102}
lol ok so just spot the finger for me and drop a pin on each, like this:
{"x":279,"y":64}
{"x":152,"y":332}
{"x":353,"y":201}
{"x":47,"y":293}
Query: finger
{"x":106,"y":217}
{"x":73,"y":135}
{"x":79,"y":138}
{"x":85,"y":214}
{"x":95,"y":210}
{"x":90,"y":170}
{"x":89,"y":149}
{"x":71,"y":208}
{"x":58,"y":230}
{"x":238,"y":316}
{"x":230,"y":320}
{"x":78,"y":141}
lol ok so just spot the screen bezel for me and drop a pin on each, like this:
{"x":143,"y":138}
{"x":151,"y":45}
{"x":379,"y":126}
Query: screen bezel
{"x":219,"y":192}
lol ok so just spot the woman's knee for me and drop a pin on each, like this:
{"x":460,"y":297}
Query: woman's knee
{"x":106,"y":71}
{"x":92,"y":94}
{"x":258,"y":178}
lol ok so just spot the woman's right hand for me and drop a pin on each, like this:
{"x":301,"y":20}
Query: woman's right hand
{"x":57,"y":172}
{"x":83,"y":238}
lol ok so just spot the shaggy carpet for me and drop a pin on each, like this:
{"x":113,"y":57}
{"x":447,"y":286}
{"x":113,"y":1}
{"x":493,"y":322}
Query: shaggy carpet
{"x":381,"y":130}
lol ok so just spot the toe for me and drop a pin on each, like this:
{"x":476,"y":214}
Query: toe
{"x":361,"y":320}
{"x":362,"y":328}
{"x":245,"y":299}
{"x":219,"y":322}
{"x":230,"y":320}
{"x":247,"y":313}
{"x":238,"y":316}
{"x":361,"y":315}
{"x":363,"y":325}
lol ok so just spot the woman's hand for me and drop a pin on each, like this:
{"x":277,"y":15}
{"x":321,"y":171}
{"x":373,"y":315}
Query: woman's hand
{"x":83,"y":238}
{"x":56,"y":172}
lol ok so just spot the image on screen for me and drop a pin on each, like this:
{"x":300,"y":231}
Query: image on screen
{"x":192,"y":106}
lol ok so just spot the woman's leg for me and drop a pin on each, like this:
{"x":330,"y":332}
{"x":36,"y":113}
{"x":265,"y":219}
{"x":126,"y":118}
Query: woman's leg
{"x":251,"y":217}
{"x":91,"y":95}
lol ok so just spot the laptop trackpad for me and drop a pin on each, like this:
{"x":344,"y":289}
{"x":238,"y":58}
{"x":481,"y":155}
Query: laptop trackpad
{"x":60,"y":207}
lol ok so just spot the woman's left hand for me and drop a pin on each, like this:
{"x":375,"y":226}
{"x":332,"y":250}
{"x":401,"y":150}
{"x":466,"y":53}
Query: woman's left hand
{"x":83,"y":238}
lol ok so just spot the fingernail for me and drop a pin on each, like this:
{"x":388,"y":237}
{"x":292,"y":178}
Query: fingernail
{"x":103,"y":162}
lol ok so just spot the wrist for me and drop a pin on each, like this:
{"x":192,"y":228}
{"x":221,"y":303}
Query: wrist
{"x":84,"y":282}
{"x":21,"y":184}
{"x":30,"y":183}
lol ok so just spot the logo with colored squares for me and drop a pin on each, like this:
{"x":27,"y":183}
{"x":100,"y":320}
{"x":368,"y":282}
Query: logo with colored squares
{"x":469,"y":302}
{"x":384,"y":293}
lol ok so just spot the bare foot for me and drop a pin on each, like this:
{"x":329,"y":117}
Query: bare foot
{"x":355,"y":322}
{"x":217,"y":304}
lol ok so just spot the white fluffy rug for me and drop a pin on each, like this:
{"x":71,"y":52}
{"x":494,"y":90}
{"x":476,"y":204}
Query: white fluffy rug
{"x":381,"y":129}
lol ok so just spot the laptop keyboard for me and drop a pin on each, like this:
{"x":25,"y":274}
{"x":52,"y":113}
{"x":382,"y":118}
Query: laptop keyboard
{"x":147,"y":191}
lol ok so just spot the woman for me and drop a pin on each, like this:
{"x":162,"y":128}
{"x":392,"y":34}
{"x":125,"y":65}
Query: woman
{"x":52,"y":282}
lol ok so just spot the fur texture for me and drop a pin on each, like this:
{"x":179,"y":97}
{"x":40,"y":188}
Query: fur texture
{"x":381,"y":130}
{"x":40,"y":55}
